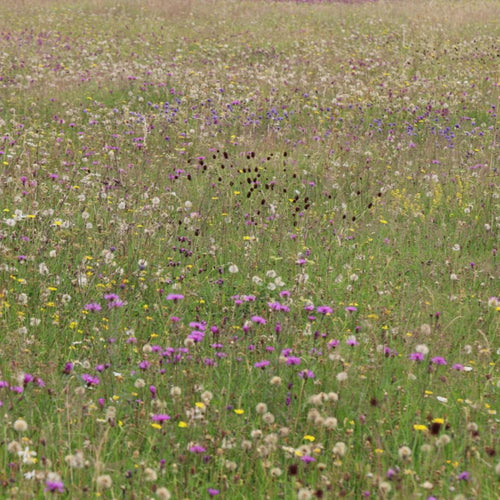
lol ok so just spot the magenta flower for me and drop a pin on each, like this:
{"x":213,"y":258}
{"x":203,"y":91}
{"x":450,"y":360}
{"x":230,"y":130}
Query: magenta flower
{"x":307,"y":459}
{"x":276,"y":306}
{"x":54,"y":486}
{"x":306,"y":374}
{"x":68,"y":368}
{"x":350,"y":309}
{"x":115,"y":303}
{"x":90,"y":379}
{"x":160,"y":417}
{"x":262,"y":364}
{"x":174,"y":296}
{"x":416,"y":356}
{"x":111,"y":297}
{"x":144,"y":365}
{"x":293,"y":360}
{"x":196,"y":335}
{"x":458,"y":367}
{"x":259,"y":320}
{"x":197,"y":449}
{"x":93,"y":307}
{"x":333,"y":343}
{"x":212,"y":492}
{"x":438,"y":360}
{"x":324,"y":310}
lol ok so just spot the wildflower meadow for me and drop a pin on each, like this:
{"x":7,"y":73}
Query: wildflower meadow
{"x":248,"y":249}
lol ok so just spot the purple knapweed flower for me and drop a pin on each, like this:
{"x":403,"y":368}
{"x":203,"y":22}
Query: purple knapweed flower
{"x":90,"y":379}
{"x":416,"y":356}
{"x":93,"y":307}
{"x":306,"y":374}
{"x":54,"y":486}
{"x":438,"y":360}
{"x":391,"y":473}
{"x":174,"y":296}
{"x":68,"y":368}
{"x":262,"y":364}
{"x":259,"y":320}
{"x":276,"y":306}
{"x":144,"y":365}
{"x":324,"y":309}
{"x":197,"y":449}
{"x":160,"y":417}
{"x":111,"y":297}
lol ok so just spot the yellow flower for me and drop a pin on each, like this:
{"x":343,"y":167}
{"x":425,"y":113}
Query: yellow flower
{"x":438,"y":420}
{"x":239,"y":411}
{"x":309,"y":438}
{"x":420,"y":427}
{"x":182,"y":424}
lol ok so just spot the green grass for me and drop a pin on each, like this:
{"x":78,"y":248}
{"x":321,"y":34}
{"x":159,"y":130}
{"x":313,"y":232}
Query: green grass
{"x":318,"y":181}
